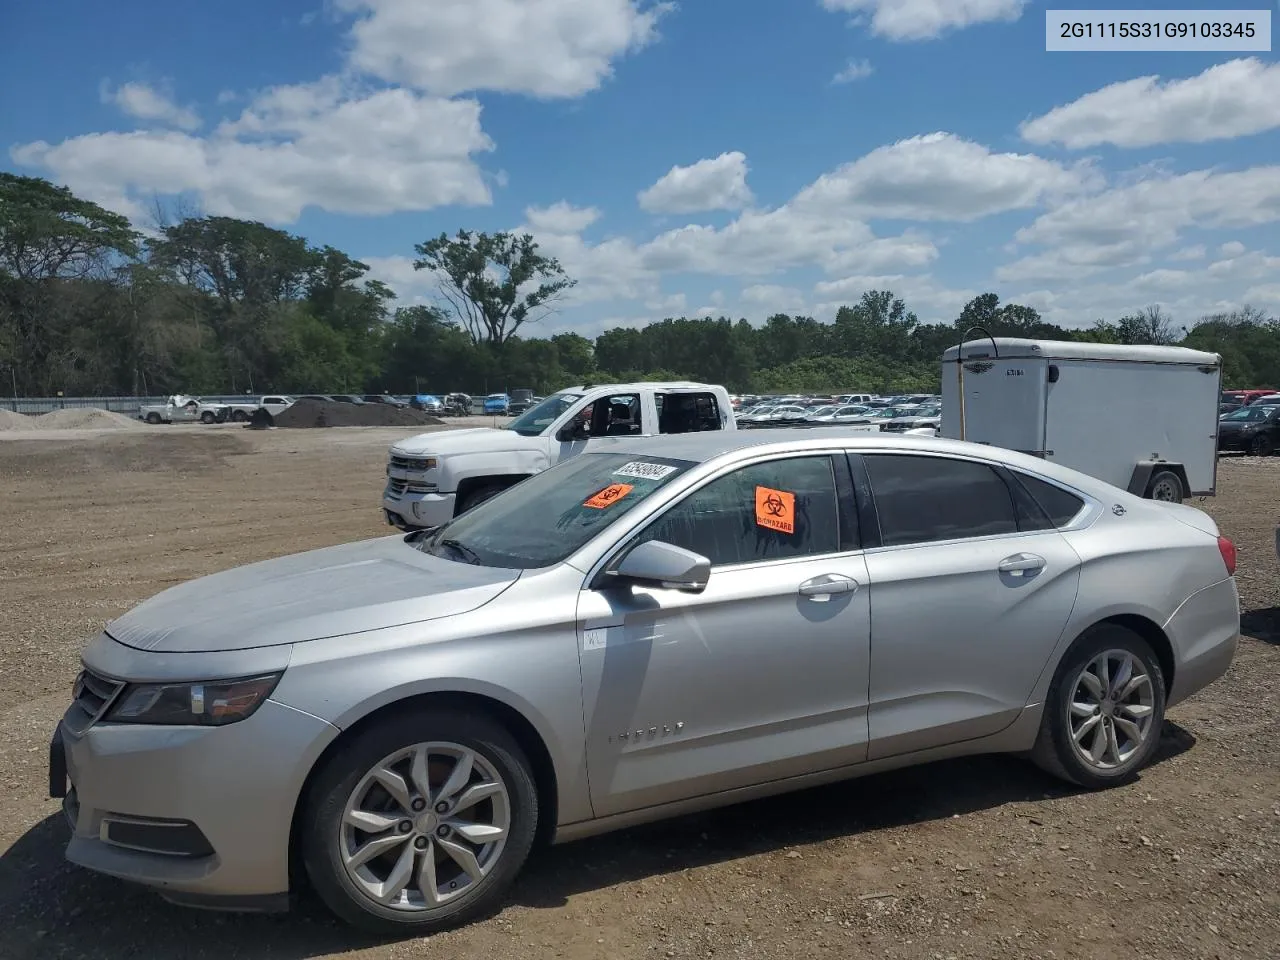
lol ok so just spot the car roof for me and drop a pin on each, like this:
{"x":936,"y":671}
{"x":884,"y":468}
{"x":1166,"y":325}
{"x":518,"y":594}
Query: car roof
{"x":642,"y":385}
{"x":705,"y":446}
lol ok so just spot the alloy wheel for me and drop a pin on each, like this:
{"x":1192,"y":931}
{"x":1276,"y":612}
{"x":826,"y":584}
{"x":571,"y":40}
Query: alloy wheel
{"x":425,"y":826}
{"x":1111,"y":709}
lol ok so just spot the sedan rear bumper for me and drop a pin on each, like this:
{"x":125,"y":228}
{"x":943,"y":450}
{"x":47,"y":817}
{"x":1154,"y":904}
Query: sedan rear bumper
{"x":1204,"y":631}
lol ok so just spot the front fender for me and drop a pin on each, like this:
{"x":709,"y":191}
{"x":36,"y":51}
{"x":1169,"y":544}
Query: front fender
{"x":455,"y":469}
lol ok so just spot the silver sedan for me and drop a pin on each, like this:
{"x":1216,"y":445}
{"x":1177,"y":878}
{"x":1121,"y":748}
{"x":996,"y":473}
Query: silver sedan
{"x":658,"y":626}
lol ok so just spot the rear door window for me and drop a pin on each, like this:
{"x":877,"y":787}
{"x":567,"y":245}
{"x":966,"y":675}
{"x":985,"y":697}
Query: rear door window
{"x":687,"y":412}
{"x":923,"y":499}
{"x":1059,"y":506}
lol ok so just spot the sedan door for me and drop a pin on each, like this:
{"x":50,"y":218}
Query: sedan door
{"x":760,"y":677}
{"x":970,"y":588}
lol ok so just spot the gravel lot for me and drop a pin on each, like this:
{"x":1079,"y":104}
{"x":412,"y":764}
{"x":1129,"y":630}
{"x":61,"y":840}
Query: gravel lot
{"x":978,"y":858}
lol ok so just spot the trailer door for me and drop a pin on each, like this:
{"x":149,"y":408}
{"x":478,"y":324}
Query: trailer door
{"x":1003,"y":403}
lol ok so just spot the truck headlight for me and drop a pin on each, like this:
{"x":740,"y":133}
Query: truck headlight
{"x":212,"y":703}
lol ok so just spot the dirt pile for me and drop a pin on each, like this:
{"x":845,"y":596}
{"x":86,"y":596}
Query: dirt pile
{"x":323,"y":413}
{"x":85,"y":418}
{"x":16,"y":421}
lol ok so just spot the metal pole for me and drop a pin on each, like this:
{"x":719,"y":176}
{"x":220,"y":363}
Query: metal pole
{"x":995,"y":351}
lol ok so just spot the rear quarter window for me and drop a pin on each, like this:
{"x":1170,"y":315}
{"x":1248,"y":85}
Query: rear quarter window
{"x":1060,"y":506}
{"x":687,"y":412}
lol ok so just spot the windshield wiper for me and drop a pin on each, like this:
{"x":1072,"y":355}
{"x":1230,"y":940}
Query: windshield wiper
{"x":467,"y":554}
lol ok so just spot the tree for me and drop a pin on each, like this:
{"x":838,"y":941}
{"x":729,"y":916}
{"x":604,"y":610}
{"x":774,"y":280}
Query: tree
{"x":494,"y":284}
{"x":1149,"y":325}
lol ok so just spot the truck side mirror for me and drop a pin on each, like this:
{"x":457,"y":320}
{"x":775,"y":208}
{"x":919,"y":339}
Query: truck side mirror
{"x":575,"y":429}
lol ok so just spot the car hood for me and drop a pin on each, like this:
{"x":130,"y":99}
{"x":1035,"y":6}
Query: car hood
{"x":475,"y":440}
{"x":340,"y":590}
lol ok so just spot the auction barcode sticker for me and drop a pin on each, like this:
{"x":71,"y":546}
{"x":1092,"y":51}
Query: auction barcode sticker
{"x":1135,"y":31}
{"x":642,"y":470}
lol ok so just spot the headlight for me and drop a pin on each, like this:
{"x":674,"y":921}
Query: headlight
{"x":205,"y":704}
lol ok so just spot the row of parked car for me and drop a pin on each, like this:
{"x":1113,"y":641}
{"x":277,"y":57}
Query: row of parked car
{"x":1249,"y":421}
{"x":896,"y":414}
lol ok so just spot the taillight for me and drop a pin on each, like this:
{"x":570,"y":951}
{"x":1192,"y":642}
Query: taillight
{"x":1228,"y":551}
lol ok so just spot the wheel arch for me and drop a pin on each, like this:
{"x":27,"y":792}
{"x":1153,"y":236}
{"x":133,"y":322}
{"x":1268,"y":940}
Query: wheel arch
{"x":1144,"y":627}
{"x":516,"y":723}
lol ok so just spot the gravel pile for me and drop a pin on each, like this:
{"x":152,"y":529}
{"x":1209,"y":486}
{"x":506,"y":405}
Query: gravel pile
{"x":16,"y":421}
{"x":85,"y":418}
{"x":322,"y":413}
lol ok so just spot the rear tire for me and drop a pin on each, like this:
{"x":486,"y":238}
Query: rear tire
{"x":153,"y":418}
{"x":457,"y":858}
{"x":239,"y":416}
{"x":208,"y":417}
{"x":1166,"y":487}
{"x":1105,"y":710}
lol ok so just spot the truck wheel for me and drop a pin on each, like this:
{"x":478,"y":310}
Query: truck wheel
{"x":207,"y":417}
{"x":1105,"y":709}
{"x":479,"y":496}
{"x":1166,"y":486}
{"x":239,"y":416}
{"x":420,"y":823}
{"x":1261,"y":447}
{"x":153,"y":418}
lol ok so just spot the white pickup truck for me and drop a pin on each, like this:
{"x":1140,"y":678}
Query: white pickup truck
{"x":183,"y":409}
{"x":273,"y":404}
{"x":433,"y":477}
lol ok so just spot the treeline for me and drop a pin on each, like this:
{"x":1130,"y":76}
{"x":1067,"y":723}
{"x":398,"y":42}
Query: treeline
{"x":91,"y":306}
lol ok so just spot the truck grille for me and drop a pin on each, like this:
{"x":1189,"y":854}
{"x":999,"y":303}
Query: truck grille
{"x":395,"y":487}
{"x":91,"y":697}
{"x":408,"y":463}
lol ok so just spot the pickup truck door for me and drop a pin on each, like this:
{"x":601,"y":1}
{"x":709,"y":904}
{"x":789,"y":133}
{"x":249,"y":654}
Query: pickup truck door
{"x":596,"y":413}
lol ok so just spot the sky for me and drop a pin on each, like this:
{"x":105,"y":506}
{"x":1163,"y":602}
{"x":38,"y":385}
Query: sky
{"x":705,"y":157}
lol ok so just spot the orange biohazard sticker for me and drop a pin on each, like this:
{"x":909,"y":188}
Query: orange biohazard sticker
{"x":776,"y":509}
{"x":609,"y":495}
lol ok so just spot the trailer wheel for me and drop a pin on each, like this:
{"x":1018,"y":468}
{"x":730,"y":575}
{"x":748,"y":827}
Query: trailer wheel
{"x":1166,"y":486}
{"x":1261,"y":447}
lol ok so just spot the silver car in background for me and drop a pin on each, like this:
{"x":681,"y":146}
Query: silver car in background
{"x":658,"y":626}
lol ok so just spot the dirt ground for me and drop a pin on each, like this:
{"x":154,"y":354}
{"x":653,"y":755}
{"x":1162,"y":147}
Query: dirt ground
{"x":975,"y":858}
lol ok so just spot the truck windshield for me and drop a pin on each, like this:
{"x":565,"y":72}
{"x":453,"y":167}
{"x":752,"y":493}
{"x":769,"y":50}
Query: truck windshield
{"x":536,"y":419}
{"x":542,"y":520}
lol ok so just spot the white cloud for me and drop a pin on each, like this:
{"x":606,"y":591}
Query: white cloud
{"x":227,"y":96}
{"x":854,"y":70}
{"x":716,"y":183}
{"x":560,"y":217}
{"x":144,"y":102}
{"x":1125,"y":225}
{"x":1194,"y":252}
{"x":1228,"y":100}
{"x":543,"y":48}
{"x":1230,"y":249}
{"x":927,"y":19}
{"x":940,"y":176}
{"x":292,"y":147}
{"x":768,"y":298}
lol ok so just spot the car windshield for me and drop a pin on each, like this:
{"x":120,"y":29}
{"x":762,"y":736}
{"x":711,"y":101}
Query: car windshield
{"x":541,"y":521}
{"x":1247,"y":413}
{"x":537,"y":418}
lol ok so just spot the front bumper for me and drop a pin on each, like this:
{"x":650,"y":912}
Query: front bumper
{"x":226,"y":795}
{"x":415,"y":510}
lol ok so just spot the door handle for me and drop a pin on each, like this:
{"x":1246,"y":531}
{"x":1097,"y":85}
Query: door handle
{"x":1021,"y":564}
{"x":828,"y":585}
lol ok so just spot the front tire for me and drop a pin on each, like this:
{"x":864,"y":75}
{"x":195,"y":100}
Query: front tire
{"x":153,"y":418}
{"x":1261,"y":447}
{"x":479,"y":496}
{"x":420,"y":823}
{"x":208,"y":417}
{"x":1105,"y":710}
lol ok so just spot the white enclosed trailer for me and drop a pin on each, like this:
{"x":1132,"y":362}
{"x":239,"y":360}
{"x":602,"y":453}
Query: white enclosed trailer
{"x":1142,"y":418}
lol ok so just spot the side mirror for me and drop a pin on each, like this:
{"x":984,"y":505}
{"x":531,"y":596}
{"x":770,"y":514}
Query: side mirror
{"x":571,"y":431}
{"x":659,"y":564}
